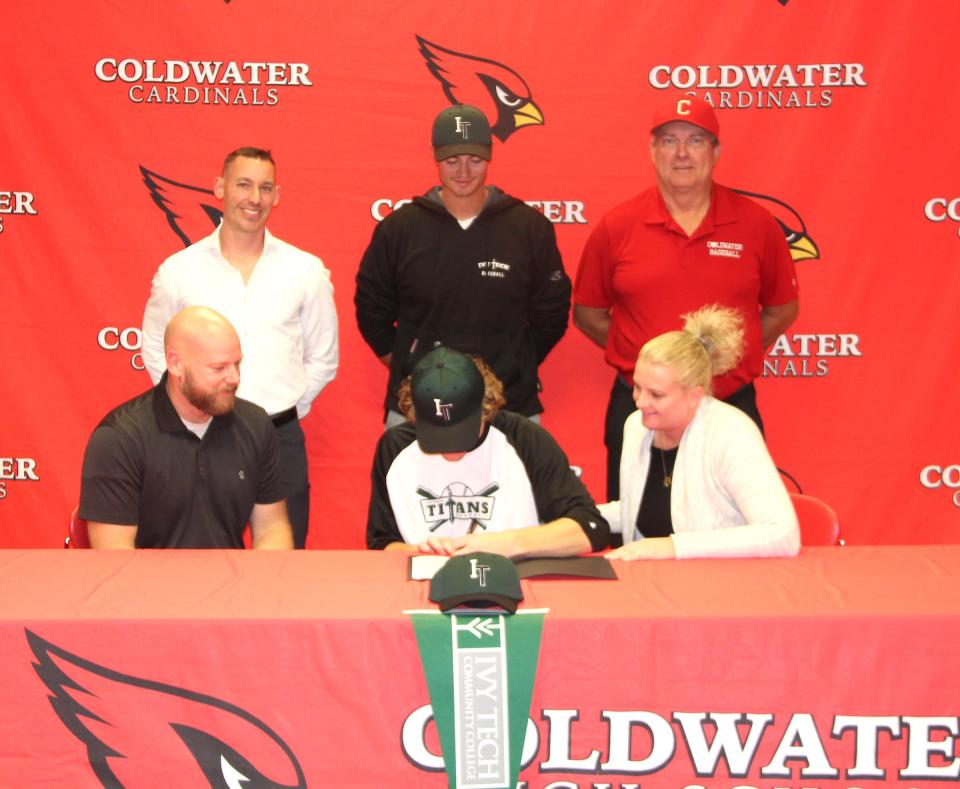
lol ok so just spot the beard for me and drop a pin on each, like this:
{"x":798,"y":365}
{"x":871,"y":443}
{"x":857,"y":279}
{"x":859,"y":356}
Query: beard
{"x":215,"y":403}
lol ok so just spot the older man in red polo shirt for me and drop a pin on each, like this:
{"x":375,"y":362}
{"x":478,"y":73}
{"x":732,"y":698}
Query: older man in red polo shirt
{"x":674,"y":248}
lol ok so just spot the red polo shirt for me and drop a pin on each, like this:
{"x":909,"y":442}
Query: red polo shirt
{"x":639,"y":263}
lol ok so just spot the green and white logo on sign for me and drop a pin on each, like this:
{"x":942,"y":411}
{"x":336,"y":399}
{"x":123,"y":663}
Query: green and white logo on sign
{"x":480,"y":701}
{"x":480,"y":670}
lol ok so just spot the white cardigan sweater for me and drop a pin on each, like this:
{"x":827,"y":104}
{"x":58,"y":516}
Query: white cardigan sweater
{"x":727,"y":497}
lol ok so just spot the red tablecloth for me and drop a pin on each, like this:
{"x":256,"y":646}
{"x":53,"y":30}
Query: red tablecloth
{"x":304,"y":665}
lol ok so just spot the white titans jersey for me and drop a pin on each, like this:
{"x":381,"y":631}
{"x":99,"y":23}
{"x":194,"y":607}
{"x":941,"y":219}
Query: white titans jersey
{"x":517,"y":477}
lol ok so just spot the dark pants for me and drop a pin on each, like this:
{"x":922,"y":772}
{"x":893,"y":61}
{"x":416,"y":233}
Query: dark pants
{"x":621,"y":405}
{"x":296,"y":484}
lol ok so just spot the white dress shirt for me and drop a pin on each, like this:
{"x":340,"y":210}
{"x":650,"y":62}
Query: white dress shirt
{"x":284,"y":314}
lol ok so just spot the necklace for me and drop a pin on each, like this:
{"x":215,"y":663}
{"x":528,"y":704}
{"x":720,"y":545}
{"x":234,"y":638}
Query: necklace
{"x":667,"y":478}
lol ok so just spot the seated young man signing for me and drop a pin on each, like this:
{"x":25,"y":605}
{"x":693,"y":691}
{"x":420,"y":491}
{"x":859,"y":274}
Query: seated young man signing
{"x":461,"y":475}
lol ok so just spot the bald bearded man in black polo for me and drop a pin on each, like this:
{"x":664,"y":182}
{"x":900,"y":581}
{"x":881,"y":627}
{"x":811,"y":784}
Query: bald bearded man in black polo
{"x":187,"y":464}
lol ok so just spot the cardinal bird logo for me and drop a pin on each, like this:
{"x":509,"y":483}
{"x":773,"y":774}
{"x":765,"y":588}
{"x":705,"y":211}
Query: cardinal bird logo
{"x":141,"y":733}
{"x":802,"y":247}
{"x":190,"y":210}
{"x":498,"y":90}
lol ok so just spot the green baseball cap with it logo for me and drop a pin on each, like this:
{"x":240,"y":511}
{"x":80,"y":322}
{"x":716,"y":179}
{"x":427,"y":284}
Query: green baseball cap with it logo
{"x":477,"y":580}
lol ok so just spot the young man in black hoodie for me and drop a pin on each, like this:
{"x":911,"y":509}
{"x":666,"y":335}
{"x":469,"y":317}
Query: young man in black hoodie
{"x":465,"y":266}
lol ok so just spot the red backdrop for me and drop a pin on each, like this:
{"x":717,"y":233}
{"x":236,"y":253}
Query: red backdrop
{"x":840,"y":115}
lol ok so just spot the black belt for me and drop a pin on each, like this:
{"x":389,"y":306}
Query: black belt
{"x":284,"y":417}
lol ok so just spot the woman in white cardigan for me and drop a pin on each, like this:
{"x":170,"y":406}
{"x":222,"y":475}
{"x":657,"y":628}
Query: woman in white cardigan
{"x":696,"y":479}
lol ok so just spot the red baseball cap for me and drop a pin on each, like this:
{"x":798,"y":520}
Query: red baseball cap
{"x":689,"y":109}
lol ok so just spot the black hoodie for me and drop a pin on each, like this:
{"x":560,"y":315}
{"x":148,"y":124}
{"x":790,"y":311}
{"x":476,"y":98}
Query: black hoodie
{"x":497,"y":289}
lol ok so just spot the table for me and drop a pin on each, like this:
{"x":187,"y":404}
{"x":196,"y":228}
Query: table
{"x":840,"y":665}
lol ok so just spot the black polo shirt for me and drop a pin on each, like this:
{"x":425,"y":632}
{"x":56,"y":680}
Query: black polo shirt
{"x":143,"y":466}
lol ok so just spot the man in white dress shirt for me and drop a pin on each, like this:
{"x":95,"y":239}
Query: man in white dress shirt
{"x":278,"y":297}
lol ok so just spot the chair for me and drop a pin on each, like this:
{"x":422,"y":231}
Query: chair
{"x":77,"y":536}
{"x":818,"y":521}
